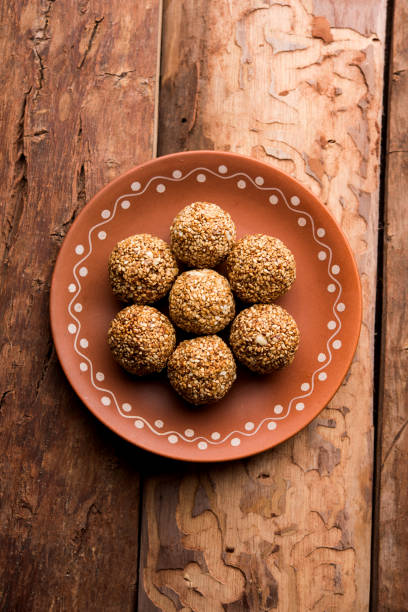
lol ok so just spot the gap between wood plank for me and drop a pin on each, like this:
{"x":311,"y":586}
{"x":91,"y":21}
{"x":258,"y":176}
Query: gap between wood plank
{"x":158,"y":77}
{"x":379,"y":312}
{"x":139,"y":579}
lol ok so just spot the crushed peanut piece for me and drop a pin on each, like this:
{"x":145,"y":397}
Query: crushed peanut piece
{"x":260,"y":339}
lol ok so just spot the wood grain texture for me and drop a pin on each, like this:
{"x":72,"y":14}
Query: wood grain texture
{"x":300,"y":86}
{"x":77,"y":108}
{"x":392,"y":529}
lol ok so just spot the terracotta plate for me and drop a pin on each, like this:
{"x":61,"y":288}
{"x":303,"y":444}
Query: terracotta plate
{"x":259,"y":412}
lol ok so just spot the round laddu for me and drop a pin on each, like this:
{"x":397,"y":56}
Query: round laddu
{"x":260,"y":268}
{"x":202,"y":370}
{"x":202,"y":235}
{"x":201,"y":302}
{"x":142,"y":269}
{"x":141,"y":339}
{"x":264,"y":337}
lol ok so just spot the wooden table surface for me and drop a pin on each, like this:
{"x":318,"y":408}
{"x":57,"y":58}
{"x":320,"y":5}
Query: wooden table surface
{"x":89,"y":89}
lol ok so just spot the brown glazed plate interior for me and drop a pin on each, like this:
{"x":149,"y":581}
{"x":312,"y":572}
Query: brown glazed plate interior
{"x":259,"y":411}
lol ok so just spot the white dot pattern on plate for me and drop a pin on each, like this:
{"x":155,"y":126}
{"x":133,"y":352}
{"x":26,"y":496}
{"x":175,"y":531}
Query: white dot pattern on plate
{"x":249,"y":427}
{"x":72,"y":328}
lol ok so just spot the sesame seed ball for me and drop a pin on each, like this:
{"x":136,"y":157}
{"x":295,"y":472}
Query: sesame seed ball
{"x":202,"y":370}
{"x":141,"y":339}
{"x":202,"y":235}
{"x":142,"y":269}
{"x":264,"y":337}
{"x":260,"y":268}
{"x":201,"y":302}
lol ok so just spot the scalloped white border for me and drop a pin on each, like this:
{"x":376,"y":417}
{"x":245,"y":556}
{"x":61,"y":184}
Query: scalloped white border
{"x":172,"y":435}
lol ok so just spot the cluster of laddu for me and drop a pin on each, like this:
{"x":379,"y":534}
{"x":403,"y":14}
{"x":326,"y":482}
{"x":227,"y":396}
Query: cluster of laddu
{"x":144,"y":269}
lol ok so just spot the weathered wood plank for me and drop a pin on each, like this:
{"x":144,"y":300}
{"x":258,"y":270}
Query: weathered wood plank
{"x":298,"y":85}
{"x":77,"y":108}
{"x":391,"y":571}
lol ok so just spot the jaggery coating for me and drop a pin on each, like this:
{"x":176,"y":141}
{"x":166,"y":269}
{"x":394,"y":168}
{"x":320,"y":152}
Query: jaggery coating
{"x":202,"y":370}
{"x":264,"y":337}
{"x":201,"y":302}
{"x":260,"y":268}
{"x":141,"y":339}
{"x":202,"y":235}
{"x":142,"y":269}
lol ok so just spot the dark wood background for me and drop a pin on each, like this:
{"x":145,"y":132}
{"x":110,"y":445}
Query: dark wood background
{"x":90,"y":88}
